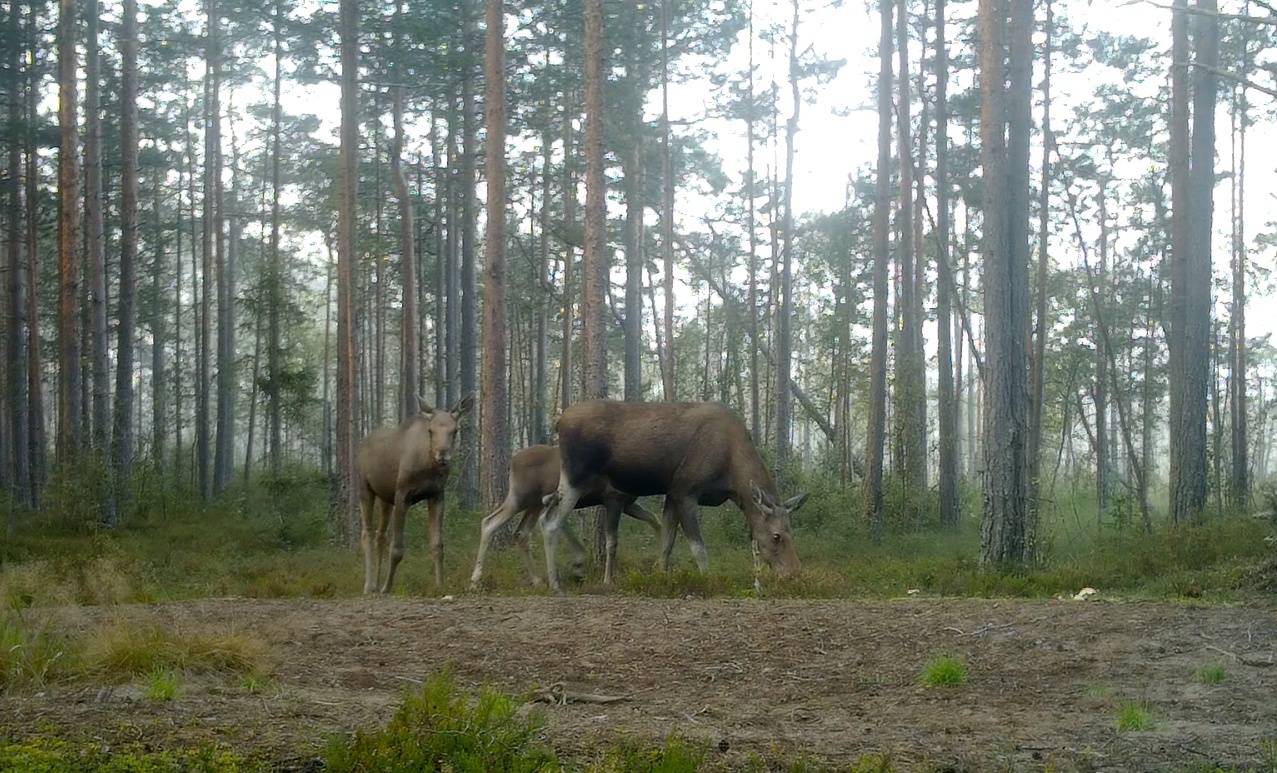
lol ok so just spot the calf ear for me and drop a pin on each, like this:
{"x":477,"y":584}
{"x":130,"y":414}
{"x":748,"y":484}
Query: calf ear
{"x":424,"y":406}
{"x":793,"y":503}
{"x":463,"y":407}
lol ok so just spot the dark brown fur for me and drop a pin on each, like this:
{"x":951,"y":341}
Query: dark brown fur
{"x":398,"y":467}
{"x":534,"y":475}
{"x":693,"y":453}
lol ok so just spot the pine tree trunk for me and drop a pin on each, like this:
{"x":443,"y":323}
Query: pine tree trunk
{"x":1102,"y":449}
{"x":875,"y":438}
{"x":569,"y":226}
{"x":17,"y":352}
{"x":633,"y":267}
{"x":127,"y":315}
{"x":1037,"y":361}
{"x":540,"y":381}
{"x":667,"y":210}
{"x":496,"y":429}
{"x":1239,"y":483}
{"x":755,"y":419}
{"x":275,"y":270}
{"x":594,"y":262}
{"x":347,"y":499}
{"x":203,"y":424}
{"x":95,"y":251}
{"x":1004,"y":134}
{"x":69,"y":375}
{"x":784,"y":331}
{"x":947,"y":399}
{"x":468,"y":479}
{"x":408,"y":389}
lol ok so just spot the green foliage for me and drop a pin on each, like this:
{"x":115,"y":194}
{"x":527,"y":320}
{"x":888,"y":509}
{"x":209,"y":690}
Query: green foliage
{"x":51,"y":755}
{"x":32,"y":654}
{"x":676,"y":755}
{"x":1133,"y":716}
{"x":944,"y":671}
{"x":124,"y":651}
{"x":1212,"y":673}
{"x":439,"y":728}
{"x":162,"y":685}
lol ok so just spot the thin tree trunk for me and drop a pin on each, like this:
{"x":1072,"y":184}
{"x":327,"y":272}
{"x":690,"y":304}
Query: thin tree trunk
{"x":35,"y":386}
{"x":408,"y":389}
{"x":633,"y":270}
{"x":755,"y":420}
{"x":69,"y":375}
{"x":95,"y":251}
{"x":1239,"y":487}
{"x":784,"y":332}
{"x":594,"y":262}
{"x":123,"y":449}
{"x":871,"y":486}
{"x":667,"y":210}
{"x":203,"y":424}
{"x":1037,"y":362}
{"x":569,"y":226}
{"x":228,"y":237}
{"x":1102,"y":450}
{"x":275,"y":271}
{"x":948,"y":404}
{"x":540,"y":382}
{"x":468,"y":483}
{"x":17,"y":353}
{"x":348,"y":163}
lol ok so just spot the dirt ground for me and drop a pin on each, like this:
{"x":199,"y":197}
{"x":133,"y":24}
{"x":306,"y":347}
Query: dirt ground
{"x":833,"y":680}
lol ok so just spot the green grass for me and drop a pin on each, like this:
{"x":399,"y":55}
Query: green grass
{"x":1133,"y":716}
{"x":944,"y":671}
{"x":162,"y":684}
{"x":1212,"y":673}
{"x":123,"y":651}
{"x":50,"y":755}
{"x":33,"y":653}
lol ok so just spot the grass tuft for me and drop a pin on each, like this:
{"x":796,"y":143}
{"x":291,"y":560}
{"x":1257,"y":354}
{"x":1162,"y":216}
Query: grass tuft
{"x":438,"y":726}
{"x":122,"y":652}
{"x":1133,"y":716}
{"x":32,"y":654}
{"x":944,"y":671}
{"x":162,"y":685}
{"x":1212,"y":673}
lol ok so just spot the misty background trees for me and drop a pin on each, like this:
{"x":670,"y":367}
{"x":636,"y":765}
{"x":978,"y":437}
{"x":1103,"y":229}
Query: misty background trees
{"x":1039,"y":284}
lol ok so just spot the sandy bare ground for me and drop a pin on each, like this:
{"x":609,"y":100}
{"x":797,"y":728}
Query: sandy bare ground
{"x":833,"y":680}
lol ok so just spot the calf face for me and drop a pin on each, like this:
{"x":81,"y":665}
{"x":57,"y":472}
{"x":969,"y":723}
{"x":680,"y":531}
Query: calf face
{"x":441,"y":429}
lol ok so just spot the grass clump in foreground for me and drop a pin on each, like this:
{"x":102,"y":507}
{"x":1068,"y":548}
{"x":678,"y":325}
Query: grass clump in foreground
{"x":32,"y":654}
{"x":944,"y":671}
{"x":51,"y":755}
{"x":127,"y":651}
{"x":1133,"y":715}
{"x":436,"y":725}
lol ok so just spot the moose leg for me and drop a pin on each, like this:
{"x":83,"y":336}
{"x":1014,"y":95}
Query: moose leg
{"x":639,"y":513}
{"x":435,"y":508}
{"x":689,"y":519}
{"x":491,"y":522}
{"x":669,"y":521}
{"x":551,"y":523}
{"x":368,"y":541}
{"x":521,"y":538}
{"x":611,"y":525}
{"x":396,"y":539}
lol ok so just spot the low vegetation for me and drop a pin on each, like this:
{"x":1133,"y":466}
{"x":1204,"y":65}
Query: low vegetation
{"x":944,"y":671}
{"x":1133,"y":716}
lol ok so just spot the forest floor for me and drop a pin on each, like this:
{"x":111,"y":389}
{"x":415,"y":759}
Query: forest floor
{"x":831,"y":681}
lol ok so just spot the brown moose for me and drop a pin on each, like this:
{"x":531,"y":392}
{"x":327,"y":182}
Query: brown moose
{"x":693,"y":453}
{"x":399,"y":467}
{"x":534,"y":476}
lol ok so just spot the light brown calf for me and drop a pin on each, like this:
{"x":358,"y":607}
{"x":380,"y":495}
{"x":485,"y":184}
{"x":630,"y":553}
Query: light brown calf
{"x":398,"y":467}
{"x":534,"y":478}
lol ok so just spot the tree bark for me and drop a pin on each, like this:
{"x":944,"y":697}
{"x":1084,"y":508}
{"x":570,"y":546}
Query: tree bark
{"x":784,"y":332}
{"x":127,"y":315}
{"x":69,"y":408}
{"x":1037,"y":362}
{"x":95,"y":251}
{"x":1004,"y":133}
{"x":871,"y":486}
{"x":667,"y":210}
{"x":347,"y":169}
{"x":948,"y":404}
{"x":496,"y":428}
{"x":594,"y":263}
{"x":17,"y":352}
{"x":468,"y":478}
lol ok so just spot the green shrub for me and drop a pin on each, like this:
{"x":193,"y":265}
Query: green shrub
{"x":438,"y":728}
{"x":944,"y":671}
{"x":1133,"y":715}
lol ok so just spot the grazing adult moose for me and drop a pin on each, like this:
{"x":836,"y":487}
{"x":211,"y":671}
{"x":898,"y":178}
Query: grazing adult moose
{"x":693,"y":453}
{"x":534,"y":475}
{"x":398,"y":467}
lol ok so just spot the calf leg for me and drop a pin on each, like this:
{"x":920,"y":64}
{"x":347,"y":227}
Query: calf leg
{"x":521,"y":538}
{"x":435,"y":508}
{"x":639,"y":513}
{"x":562,"y":502}
{"x":396,"y":540}
{"x":367,"y":541}
{"x":491,"y":522}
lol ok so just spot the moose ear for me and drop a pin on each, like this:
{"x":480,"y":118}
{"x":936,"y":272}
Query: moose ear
{"x":793,"y":503}
{"x":424,"y":406}
{"x":760,"y":499}
{"x":463,"y":407}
